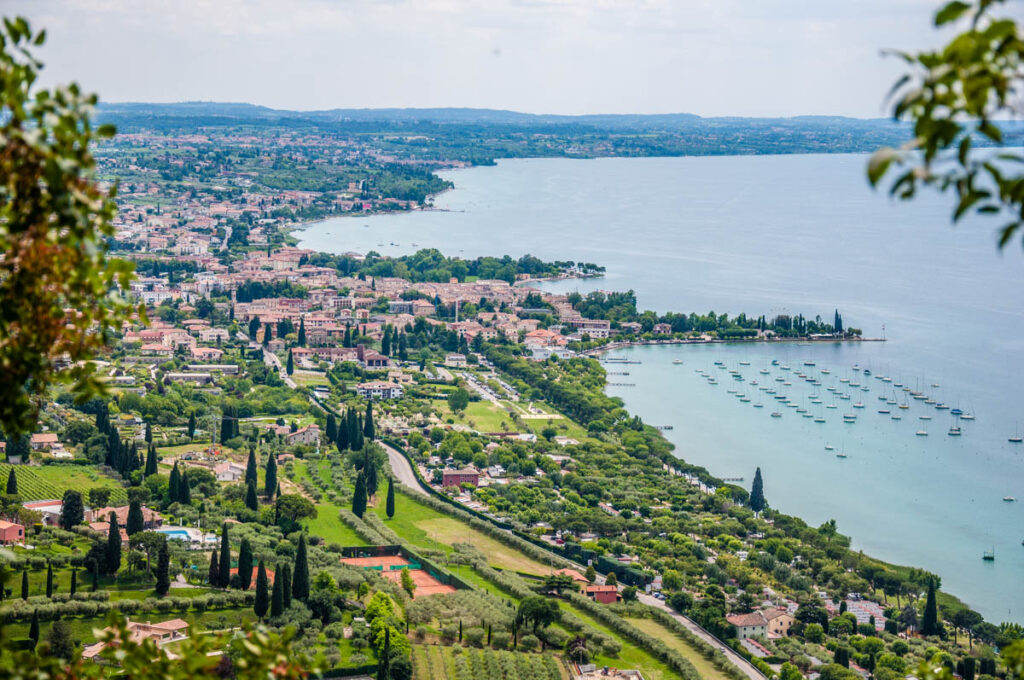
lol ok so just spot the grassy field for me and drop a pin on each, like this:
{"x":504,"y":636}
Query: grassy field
{"x":51,"y":481}
{"x":631,"y":656}
{"x":310,"y":379}
{"x":706,"y":669}
{"x":423,"y":526}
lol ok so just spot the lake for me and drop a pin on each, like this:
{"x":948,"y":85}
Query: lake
{"x":789,"y":234}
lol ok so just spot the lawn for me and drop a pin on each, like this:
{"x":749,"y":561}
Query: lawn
{"x":47,"y":482}
{"x":310,"y":379}
{"x":327,"y":526}
{"x":706,"y":669}
{"x":631,"y":656}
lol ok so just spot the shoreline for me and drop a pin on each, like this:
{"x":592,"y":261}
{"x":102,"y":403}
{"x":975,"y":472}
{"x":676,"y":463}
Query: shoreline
{"x":717,"y":341}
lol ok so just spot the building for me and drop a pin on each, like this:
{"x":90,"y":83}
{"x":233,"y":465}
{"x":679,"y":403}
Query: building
{"x":228,"y":471}
{"x":44,"y":440}
{"x":150,"y":518}
{"x":662,"y":329}
{"x":379,"y":389}
{"x":779,"y":621}
{"x":50,"y":511}
{"x":455,"y":360}
{"x":11,"y":533}
{"x":457,"y":478}
{"x":305,"y":435}
{"x":749,"y":625}
{"x":160,"y":633}
{"x":602,"y":594}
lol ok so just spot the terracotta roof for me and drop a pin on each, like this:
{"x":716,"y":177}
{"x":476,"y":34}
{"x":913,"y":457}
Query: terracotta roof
{"x":744,"y":620}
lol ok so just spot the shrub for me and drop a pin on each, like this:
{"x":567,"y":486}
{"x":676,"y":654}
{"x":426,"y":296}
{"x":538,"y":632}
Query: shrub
{"x":529,"y":643}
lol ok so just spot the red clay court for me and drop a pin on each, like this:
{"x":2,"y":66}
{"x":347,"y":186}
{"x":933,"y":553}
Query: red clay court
{"x":391,"y":567}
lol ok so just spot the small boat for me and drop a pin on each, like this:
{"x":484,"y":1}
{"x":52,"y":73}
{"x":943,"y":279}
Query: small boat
{"x":941,"y":407}
{"x":764,"y":371}
{"x":936,"y":385}
{"x":831,"y":406}
{"x":956,"y":411}
{"x":921,"y":433}
{"x":1009,"y":499}
{"x":924,"y":417}
{"x":677,"y":361}
{"x":744,"y":363}
{"x":758,"y":405}
{"x":1016,"y":438}
{"x":840,"y":455}
{"x":967,"y":416}
{"x":776,"y":414}
{"x":819,"y":419}
{"x":829,"y":447}
{"x":784,"y":367}
{"x":896,"y":416}
{"x":858,"y":404}
{"x":808,"y":363}
{"x":867,"y":371}
{"x":989,"y":555}
{"x":954,"y":431}
{"x":775,"y":362}
{"x":826,"y":371}
{"x":884,"y":411}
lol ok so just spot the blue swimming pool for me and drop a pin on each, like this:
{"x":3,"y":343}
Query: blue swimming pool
{"x":179,"y":534}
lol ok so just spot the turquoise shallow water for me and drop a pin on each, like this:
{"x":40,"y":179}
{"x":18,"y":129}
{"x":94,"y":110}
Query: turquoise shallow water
{"x":795,"y":234}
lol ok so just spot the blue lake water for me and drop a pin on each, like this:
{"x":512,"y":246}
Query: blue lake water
{"x":789,"y":234}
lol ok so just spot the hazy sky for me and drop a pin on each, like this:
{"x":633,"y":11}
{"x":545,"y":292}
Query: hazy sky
{"x":710,"y":57}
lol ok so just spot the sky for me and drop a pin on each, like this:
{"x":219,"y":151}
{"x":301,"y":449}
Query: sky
{"x":709,"y":57}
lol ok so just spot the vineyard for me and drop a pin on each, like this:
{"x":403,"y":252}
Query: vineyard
{"x":51,"y":481}
{"x":454,"y":663}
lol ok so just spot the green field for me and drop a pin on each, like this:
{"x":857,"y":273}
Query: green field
{"x":706,"y":669}
{"x":631,"y":656}
{"x":36,"y":483}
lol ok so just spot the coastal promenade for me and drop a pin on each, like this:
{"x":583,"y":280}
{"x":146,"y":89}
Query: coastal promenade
{"x":717,"y":341}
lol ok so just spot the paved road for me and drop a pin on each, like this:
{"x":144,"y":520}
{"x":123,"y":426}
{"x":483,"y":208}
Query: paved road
{"x":274,"y":364}
{"x":403,"y":471}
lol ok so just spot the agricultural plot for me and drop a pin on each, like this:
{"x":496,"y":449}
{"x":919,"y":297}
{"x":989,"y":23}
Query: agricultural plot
{"x":44,"y":482}
{"x":706,"y":669}
{"x":452,"y":663}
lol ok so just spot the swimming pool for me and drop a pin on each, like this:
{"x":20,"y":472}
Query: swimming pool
{"x":176,"y":533}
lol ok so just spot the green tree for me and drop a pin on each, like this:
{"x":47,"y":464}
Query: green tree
{"x":538,"y":611}
{"x":24,"y":584}
{"x":389,"y":505}
{"x":270,"y":476}
{"x":135,"y":522}
{"x":33,"y":628}
{"x":300,"y":579}
{"x":73,"y":588}
{"x":62,"y":646}
{"x":290,"y":365}
{"x":163,"y":570}
{"x":954,"y":96}
{"x":245,"y":564}
{"x":213,"y":573}
{"x":12,"y":483}
{"x":174,"y":484}
{"x":224,"y":569}
{"x":151,"y":462}
{"x":57,"y":219}
{"x":301,"y":340}
{"x":286,"y":584}
{"x":458,"y":400}
{"x":262,"y":602}
{"x":277,"y":595}
{"x":359,"y":496}
{"x":591,"y":573}
{"x":113,"y":545}
{"x":757,"y":502}
{"x":252,"y":501}
{"x":49,"y":579}
{"x":368,"y":429}
{"x":408,"y":585}
{"x":251,"y":474}
{"x":611,"y":579}
{"x":191,"y":429}
{"x":930,"y":620}
{"x":72,"y":510}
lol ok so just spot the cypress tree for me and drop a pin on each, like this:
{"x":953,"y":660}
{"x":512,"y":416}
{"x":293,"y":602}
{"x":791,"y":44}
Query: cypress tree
{"x":33,"y":629}
{"x":251,"y":500}
{"x":74,"y":582}
{"x":270,"y":478}
{"x":24,"y":584}
{"x":49,"y":580}
{"x":72,"y":510}
{"x":300,"y":580}
{"x":359,"y":496}
{"x":368,"y":422}
{"x":343,"y":440}
{"x":250,"y":467}
{"x":262,"y":596}
{"x":385,"y":341}
{"x":370,"y":473}
{"x":174,"y":484}
{"x":12,"y":483}
{"x":842,"y":656}
{"x":302,"y":336}
{"x":930,"y":621}
{"x":225,"y":557}
{"x":163,"y":570}
{"x":267,"y":334}
{"x":277,"y":595}
{"x":286,"y":584}
{"x":245,"y":564}
{"x":213,"y":575}
{"x":383,"y":669}
{"x":332,"y":428}
{"x":191,"y":424}
{"x":353,"y":429}
{"x":149,"y":433}
{"x":757,"y":502}
{"x":185,"y":489}
{"x":150,"y":462}
{"x":135,"y":521}
{"x":290,"y":365}
{"x":113,"y":545}
{"x":389,"y":507}
{"x":95,"y":575}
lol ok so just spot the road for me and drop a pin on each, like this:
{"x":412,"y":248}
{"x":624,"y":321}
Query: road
{"x":274,"y":364}
{"x":403,"y":471}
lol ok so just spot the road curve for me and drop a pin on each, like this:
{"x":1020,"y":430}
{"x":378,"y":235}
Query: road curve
{"x":403,"y":471}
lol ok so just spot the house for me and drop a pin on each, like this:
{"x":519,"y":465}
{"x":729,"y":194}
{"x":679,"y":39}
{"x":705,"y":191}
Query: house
{"x":576,"y":576}
{"x":749,"y":625}
{"x":104,"y":529}
{"x":160,"y":633}
{"x":379,"y":389}
{"x":779,"y":622}
{"x":11,"y":533}
{"x":305,"y":435}
{"x":455,"y":360}
{"x":50,"y":511}
{"x":150,"y":518}
{"x":602,"y":594}
{"x":44,"y":440}
{"x":228,"y":471}
{"x":662,"y":329}
{"x":457,"y":478}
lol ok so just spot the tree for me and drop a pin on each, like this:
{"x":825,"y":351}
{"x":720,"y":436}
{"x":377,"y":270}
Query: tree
{"x":301,"y":339}
{"x":185,"y":489}
{"x":290,"y":365}
{"x":213,"y":574}
{"x":174,"y":484}
{"x":224,"y":570}
{"x":370,"y":470}
{"x":99,"y":497}
{"x":252,"y":501}
{"x":277,"y":596}
{"x":135,"y":522}
{"x":12,"y":483}
{"x":300,"y":579}
{"x":262,"y":602}
{"x":611,"y":579}
{"x":458,"y":400}
{"x":245,"y":564}
{"x":73,"y":588}
{"x":368,"y":430}
{"x":49,"y":579}
{"x":59,"y":640}
{"x":389,"y":506}
{"x":538,"y":611}
{"x":966,"y":619}
{"x":930,"y":620}
{"x":57,"y":220}
{"x":291,"y":509}
{"x":163,"y":570}
{"x":286,"y":584}
{"x":24,"y":584}
{"x":359,"y":496}
{"x":191,"y":429}
{"x":72,"y":510}
{"x":113,"y":545}
{"x":953,"y":96}
{"x":591,"y":573}
{"x":757,"y":502}
{"x":270,"y":476}
{"x":151,"y":462}
{"x":408,"y":585}
{"x":33,"y":628}
{"x":251,"y":475}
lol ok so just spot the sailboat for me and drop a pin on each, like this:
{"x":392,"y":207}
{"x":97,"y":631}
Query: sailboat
{"x":989,"y":555}
{"x":1016,"y":438}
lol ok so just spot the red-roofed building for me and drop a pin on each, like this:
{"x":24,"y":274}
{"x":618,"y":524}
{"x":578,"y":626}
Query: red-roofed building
{"x":602,"y":594}
{"x":11,"y":533}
